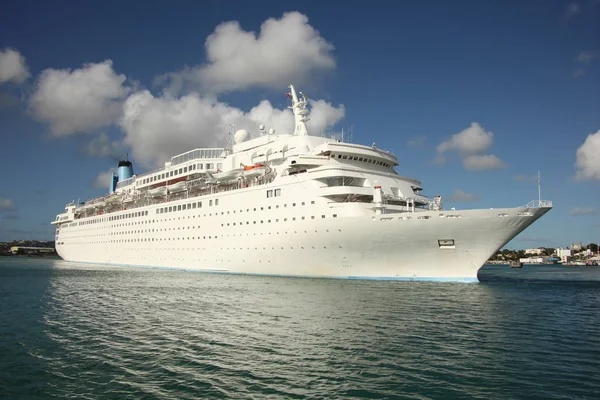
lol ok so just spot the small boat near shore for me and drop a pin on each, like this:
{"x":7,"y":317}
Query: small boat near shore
{"x":516,"y":264}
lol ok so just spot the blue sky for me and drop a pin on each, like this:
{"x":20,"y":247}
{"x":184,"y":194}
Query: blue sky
{"x":473,"y":97}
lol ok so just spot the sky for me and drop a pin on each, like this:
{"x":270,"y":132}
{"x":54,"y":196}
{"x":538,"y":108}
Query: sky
{"x":473,"y":97}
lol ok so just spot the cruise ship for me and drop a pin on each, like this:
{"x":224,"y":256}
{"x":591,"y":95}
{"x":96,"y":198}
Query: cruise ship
{"x":286,"y":204}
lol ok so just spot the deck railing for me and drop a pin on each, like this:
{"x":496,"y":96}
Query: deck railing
{"x":538,"y":204}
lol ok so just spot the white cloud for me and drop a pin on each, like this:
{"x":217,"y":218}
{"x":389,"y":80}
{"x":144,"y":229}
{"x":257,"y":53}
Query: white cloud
{"x":473,"y":140}
{"x":322,"y":116}
{"x":461,"y":196}
{"x":471,"y":144}
{"x":7,"y":205}
{"x":80,"y":100}
{"x":583,"y":211}
{"x":588,"y":162}
{"x":572,"y":10}
{"x":482,"y":162}
{"x":157,"y":128}
{"x":286,"y":50}
{"x":102,"y":180}
{"x":12,"y":66}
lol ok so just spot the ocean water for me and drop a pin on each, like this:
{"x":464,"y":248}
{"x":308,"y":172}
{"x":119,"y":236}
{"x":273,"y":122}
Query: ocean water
{"x":89,"y":332}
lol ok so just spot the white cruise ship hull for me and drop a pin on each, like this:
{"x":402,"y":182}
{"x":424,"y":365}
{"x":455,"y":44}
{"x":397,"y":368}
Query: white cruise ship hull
{"x":432,"y":245}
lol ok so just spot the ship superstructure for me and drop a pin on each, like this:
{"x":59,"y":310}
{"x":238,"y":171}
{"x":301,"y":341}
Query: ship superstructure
{"x":285,"y":204}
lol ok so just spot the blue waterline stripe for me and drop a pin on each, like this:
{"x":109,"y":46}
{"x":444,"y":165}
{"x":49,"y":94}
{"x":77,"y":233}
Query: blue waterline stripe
{"x":216,"y":271}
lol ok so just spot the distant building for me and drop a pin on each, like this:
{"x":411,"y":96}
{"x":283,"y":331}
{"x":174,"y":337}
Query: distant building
{"x":535,"y":252}
{"x":564,"y":254}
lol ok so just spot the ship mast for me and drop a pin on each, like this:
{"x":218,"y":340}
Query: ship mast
{"x":300,"y":112}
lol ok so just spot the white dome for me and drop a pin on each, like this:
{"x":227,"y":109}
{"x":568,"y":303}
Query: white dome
{"x":241,"y":136}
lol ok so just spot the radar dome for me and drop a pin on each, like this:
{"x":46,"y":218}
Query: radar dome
{"x":241,"y":136}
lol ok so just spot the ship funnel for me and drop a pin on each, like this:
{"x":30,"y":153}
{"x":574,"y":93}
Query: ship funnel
{"x":125,"y":170}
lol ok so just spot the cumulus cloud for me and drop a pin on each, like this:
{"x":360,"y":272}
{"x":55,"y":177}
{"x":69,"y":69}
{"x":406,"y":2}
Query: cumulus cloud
{"x":7,"y":205}
{"x":157,"y":128}
{"x":102,"y":180}
{"x":12,"y":66}
{"x":583,"y":211}
{"x":471,"y":144}
{"x":483,"y":162}
{"x":285,"y":50}
{"x":103,"y":146}
{"x":80,"y":100}
{"x":460,"y":196}
{"x":587,"y":162}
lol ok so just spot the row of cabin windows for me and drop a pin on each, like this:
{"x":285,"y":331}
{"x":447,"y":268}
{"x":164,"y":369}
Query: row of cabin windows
{"x":183,"y":207}
{"x":276,"y":220}
{"x":128,"y":215}
{"x":362,"y":159}
{"x":175,"y":172}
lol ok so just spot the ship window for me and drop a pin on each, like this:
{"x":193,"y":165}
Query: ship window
{"x":157,"y":210}
{"x":269,"y":194}
{"x":185,"y":169}
{"x":183,"y":207}
{"x":277,"y":192}
{"x":170,"y":209}
{"x":210,"y":203}
{"x":322,"y":216}
{"x":217,"y":203}
{"x":344,"y":157}
{"x":180,"y":170}
{"x":171,"y":173}
{"x":200,"y":166}
{"x":334,"y":215}
{"x":193,"y":205}
{"x":199,"y":204}
{"x":446,"y":243}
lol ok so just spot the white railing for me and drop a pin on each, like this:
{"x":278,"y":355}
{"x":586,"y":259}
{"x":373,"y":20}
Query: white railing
{"x":538,"y":204}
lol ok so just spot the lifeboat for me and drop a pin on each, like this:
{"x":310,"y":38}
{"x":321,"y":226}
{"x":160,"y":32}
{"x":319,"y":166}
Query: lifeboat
{"x":252,"y":171}
{"x":159,"y":191}
{"x":177,"y":187}
{"x":227,"y":175}
{"x":115,"y":198}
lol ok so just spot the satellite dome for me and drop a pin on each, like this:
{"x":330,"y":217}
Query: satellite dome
{"x":241,"y":136}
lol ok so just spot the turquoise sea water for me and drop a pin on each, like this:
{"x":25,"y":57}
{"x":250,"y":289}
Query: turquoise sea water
{"x":78,"y":331}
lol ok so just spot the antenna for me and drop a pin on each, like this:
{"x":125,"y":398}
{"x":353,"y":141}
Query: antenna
{"x":342,"y":134}
{"x":539,"y":189}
